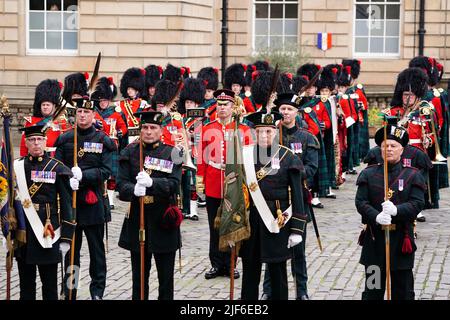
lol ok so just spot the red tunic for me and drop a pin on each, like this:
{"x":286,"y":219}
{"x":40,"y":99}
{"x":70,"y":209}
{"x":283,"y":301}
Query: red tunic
{"x":128,"y":107}
{"x":58,"y":127}
{"x":119,"y":124}
{"x":322,"y":114}
{"x":211,"y":160}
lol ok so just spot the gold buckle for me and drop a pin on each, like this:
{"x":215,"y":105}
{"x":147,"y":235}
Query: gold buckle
{"x":148,"y":199}
{"x":390,"y":227}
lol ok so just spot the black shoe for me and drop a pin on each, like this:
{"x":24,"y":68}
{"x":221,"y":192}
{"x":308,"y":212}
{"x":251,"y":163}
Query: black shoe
{"x":335,"y":188}
{"x":330,"y":196}
{"x":201,"y":203}
{"x":97,"y":298}
{"x":226,"y":273}
{"x":352,"y":172}
{"x":303,"y":297}
{"x":319,"y":205}
{"x":111,"y":207}
{"x":421,"y":219}
{"x":194,"y":217}
{"x":212,"y":273}
{"x":265,"y":296}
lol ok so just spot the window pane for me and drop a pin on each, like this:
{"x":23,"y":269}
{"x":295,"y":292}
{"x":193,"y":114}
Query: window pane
{"x":276,"y":42}
{"x":392,"y":28}
{"x":362,"y":11}
{"x":291,"y":11}
{"x":361,"y":28}
{"x":376,"y":11}
{"x":260,"y":42}
{"x":262,"y":11}
{"x":290,"y":27}
{"x":376,"y":45}
{"x":54,"y":5}
{"x":71,"y":21}
{"x":290,"y":41}
{"x":261,"y":26}
{"x":276,"y":27}
{"x":36,"y":20}
{"x":37,"y":40}
{"x":70,"y":5}
{"x":377,"y":27}
{"x":53,"y":21}
{"x":393,"y":12}
{"x":36,"y":4}
{"x":70,"y":40}
{"x":53,"y":40}
{"x":392,"y":45}
{"x":362,"y":45}
{"x":276,"y":11}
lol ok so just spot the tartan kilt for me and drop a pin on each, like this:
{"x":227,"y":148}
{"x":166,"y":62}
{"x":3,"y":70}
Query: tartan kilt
{"x":443,"y":176}
{"x":364,"y":136}
{"x":115,"y":164}
{"x":434,"y":185}
{"x":356,"y":133}
{"x":329,"y":154}
{"x":321,"y":178}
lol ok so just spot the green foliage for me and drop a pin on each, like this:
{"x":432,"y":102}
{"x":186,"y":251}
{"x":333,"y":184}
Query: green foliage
{"x":374,"y":117}
{"x":288,"y":58}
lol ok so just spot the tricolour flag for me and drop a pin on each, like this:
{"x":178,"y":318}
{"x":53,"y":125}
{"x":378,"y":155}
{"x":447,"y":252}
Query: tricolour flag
{"x":324,"y":41}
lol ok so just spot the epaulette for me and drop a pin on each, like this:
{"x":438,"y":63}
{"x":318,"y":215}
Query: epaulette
{"x":345,"y":96}
{"x":307,"y":110}
{"x":323,"y":99}
{"x":28,"y":119}
{"x":440,"y":90}
{"x":359,"y":86}
{"x":436,"y":93}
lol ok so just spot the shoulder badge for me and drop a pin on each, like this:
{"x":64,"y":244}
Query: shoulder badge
{"x":323,"y":99}
{"x":440,"y":90}
{"x":436,"y":93}
{"x":117,"y":109}
{"x":359,"y":86}
{"x":345,"y":96}
{"x":248,"y":93}
{"x":308,"y":110}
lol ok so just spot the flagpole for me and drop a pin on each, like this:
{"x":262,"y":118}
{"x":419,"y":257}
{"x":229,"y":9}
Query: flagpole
{"x":387,"y":228}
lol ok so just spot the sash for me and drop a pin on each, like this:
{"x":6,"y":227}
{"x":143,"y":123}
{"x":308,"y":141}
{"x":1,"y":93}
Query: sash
{"x":28,"y":207}
{"x":333,"y":117}
{"x":261,"y":205}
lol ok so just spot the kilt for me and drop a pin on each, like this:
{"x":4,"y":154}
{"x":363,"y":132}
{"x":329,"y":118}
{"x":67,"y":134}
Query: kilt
{"x":329,"y":154}
{"x":321,"y":178}
{"x":355,"y":156}
{"x":364,"y":136}
{"x":115,"y":164}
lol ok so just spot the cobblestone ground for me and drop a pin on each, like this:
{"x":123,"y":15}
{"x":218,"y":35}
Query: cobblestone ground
{"x":333,"y":273}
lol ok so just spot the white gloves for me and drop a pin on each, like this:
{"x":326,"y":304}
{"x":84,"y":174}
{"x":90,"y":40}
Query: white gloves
{"x":383,"y":218}
{"x":294,"y":239}
{"x":144,"y":179}
{"x":389,"y":208}
{"x":139,"y":190}
{"x":77,"y":174}
{"x":74,"y":184}
{"x":64,"y":247}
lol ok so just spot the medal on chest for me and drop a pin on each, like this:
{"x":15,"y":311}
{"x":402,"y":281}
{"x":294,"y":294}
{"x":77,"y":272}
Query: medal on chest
{"x":400,"y":184}
{"x":158,"y":164}
{"x":43,"y":176}
{"x":296,"y":147}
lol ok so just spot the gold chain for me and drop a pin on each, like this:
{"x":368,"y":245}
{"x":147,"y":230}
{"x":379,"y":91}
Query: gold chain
{"x":261,"y":174}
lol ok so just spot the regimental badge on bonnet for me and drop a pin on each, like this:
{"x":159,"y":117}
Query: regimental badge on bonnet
{"x":397,"y":132}
{"x":268,"y":119}
{"x":149,"y":117}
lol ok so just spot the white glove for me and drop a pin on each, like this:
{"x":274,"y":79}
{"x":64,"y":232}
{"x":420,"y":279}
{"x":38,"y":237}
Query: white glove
{"x":383,"y":218}
{"x":64,"y":247}
{"x":144,"y":179}
{"x":389,"y":208}
{"x":77,"y":174}
{"x":294,"y":239}
{"x":139,"y":190}
{"x":74,"y":184}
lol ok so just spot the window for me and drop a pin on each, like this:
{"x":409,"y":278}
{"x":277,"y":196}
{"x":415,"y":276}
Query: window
{"x":275,"y":24}
{"x":52,"y":26}
{"x":377,"y":28}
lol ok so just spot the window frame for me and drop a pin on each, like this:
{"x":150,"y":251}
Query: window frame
{"x":51,"y":52}
{"x":378,"y":55}
{"x":283,"y":35}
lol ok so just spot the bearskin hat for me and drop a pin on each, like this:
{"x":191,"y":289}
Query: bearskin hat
{"x":105,"y":89}
{"x":309,"y":70}
{"x":153,"y":74}
{"x":414,"y":79}
{"x":165,"y":90}
{"x":234,"y":74}
{"x":261,"y":86}
{"x":248,"y":75}
{"x":211,"y":77}
{"x":75,"y":83}
{"x":132,"y":78}
{"x":285,"y":83}
{"x":173,"y":73}
{"x":46,"y":91}
{"x":187,"y":72}
{"x":429,"y":66}
{"x":262,"y":65}
{"x":327,"y":78}
{"x":299,"y":82}
{"x":355,"y":65}
{"x":194,"y":90}
{"x":345,"y":77}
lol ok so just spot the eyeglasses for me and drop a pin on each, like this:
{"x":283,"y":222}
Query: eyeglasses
{"x":35,"y":139}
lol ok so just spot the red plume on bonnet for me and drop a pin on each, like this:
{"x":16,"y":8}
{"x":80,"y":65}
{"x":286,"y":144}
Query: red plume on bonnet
{"x":182,"y":71}
{"x":253,"y":67}
{"x":334,"y":70}
{"x":305,"y":77}
{"x":359,"y":62}
{"x":255,"y":74}
{"x":60,"y":85}
{"x":289,"y":75}
{"x":216,"y":70}
{"x":143,"y":71}
{"x":160,"y":69}
{"x":86,"y":75}
{"x":110,"y":80}
{"x":318,"y":66}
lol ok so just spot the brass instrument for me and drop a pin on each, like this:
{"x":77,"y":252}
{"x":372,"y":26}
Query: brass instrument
{"x":439,"y":158}
{"x":187,"y":159}
{"x":112,"y":128}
